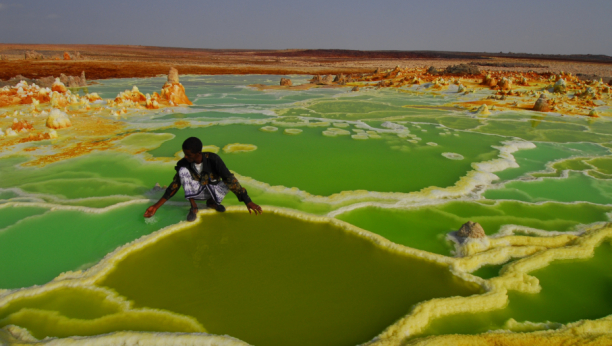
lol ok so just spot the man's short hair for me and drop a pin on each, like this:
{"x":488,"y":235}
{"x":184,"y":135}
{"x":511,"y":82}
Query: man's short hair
{"x":193,"y":144}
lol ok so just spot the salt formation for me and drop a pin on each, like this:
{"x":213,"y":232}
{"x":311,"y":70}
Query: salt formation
{"x":293,"y":131}
{"x":560,"y":86}
{"x":269,"y":129}
{"x":453,"y":156}
{"x":393,"y":126}
{"x":58,"y":86}
{"x":483,"y":110}
{"x":505,"y":84}
{"x":286,"y":82}
{"x":471,"y":230}
{"x":173,"y":92}
{"x":489,"y":81}
{"x":58,"y":120}
{"x":239,"y":148}
{"x":333,"y":132}
{"x":542,"y":104}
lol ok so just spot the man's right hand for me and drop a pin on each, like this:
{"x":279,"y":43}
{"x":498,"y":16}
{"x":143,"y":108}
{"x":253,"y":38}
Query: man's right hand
{"x":150,"y":211}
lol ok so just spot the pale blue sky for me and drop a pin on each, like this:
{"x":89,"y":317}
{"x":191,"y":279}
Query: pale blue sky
{"x":546,"y":26}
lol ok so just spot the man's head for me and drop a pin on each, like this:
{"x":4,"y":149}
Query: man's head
{"x":192,"y":147}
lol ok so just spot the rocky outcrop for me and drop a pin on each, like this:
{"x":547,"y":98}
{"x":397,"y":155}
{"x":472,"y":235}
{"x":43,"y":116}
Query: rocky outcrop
{"x":173,"y":76}
{"x":316,"y":79}
{"x":340,"y":79}
{"x":329,"y":79}
{"x":70,"y":81}
{"x":432,"y":70}
{"x":286,"y":82}
{"x":471,"y":230}
{"x":46,"y":81}
{"x":33,"y":55}
{"x":462,"y":69}
{"x":67,"y":56}
{"x":542,"y":104}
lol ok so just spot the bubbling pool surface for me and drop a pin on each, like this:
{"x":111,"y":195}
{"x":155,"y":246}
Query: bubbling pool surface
{"x":360,"y":192}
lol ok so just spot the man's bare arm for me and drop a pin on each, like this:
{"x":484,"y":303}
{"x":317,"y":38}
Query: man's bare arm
{"x":170,"y":191}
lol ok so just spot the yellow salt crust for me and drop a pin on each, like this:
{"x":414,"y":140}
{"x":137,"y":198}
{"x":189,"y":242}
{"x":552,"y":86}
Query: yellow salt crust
{"x":238,"y":148}
{"x":514,"y":276}
{"x":293,"y":131}
{"x":14,"y":335}
{"x":269,"y":129}
{"x":210,"y":148}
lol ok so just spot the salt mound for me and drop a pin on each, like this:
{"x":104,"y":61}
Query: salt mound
{"x":269,"y":129}
{"x":560,"y":86}
{"x":483,"y":110}
{"x":393,"y":126}
{"x":360,"y":136}
{"x":293,"y":131}
{"x":239,"y":148}
{"x":453,"y":156}
{"x":210,"y":149}
{"x":433,"y":144}
{"x":58,"y":86}
{"x":58,"y":119}
{"x":542,"y":104}
{"x":333,"y":132}
{"x":471,"y":230}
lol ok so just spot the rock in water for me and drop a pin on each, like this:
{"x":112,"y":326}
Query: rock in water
{"x":355,"y":88}
{"x":173,"y":76}
{"x":286,"y":82}
{"x":542,"y":104}
{"x":471,"y":230}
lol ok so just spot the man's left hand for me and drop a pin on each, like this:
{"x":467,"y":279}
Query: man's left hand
{"x":254,"y":207}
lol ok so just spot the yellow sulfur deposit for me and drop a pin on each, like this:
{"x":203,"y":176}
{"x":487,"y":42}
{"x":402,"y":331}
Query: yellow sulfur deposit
{"x":239,"y":148}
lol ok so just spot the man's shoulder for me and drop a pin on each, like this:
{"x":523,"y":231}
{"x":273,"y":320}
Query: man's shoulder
{"x":210,"y":156}
{"x":182,"y":163}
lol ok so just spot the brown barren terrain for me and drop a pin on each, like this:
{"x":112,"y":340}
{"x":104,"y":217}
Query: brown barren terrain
{"x":106,"y":61}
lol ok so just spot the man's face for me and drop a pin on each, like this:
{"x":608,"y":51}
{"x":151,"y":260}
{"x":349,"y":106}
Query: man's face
{"x":192,"y":157}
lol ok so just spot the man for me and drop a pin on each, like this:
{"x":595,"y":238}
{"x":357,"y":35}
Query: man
{"x":204,"y":176}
